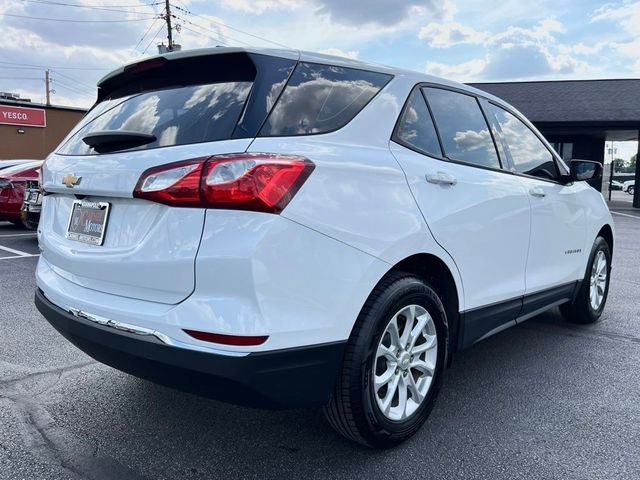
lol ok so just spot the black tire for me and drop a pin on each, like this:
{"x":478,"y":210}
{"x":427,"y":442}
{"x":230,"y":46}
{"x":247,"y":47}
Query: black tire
{"x":580,"y":310}
{"x":17,"y":223}
{"x":631,"y":190}
{"x":353,"y":411}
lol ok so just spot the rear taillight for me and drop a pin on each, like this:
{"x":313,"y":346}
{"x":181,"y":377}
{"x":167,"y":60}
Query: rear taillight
{"x":246,"y":181}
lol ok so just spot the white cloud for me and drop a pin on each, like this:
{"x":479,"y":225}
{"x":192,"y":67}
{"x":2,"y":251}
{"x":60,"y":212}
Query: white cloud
{"x":517,"y":53}
{"x":550,"y":25}
{"x":260,"y":6}
{"x":340,"y":53}
{"x":462,"y":71}
{"x":612,"y":11}
{"x":383,"y":12}
{"x":442,"y":35}
{"x":627,"y":15}
{"x":582,"y":49}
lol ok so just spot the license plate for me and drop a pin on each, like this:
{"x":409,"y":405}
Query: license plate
{"x":88,"y":221}
{"x":33,"y":197}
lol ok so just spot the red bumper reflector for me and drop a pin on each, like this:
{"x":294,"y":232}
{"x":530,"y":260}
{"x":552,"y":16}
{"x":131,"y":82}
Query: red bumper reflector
{"x":236,"y":340}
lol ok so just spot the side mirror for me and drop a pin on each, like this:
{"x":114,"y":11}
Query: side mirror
{"x":582,"y":170}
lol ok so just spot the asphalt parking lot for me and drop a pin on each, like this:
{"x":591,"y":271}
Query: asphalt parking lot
{"x":542,"y":400}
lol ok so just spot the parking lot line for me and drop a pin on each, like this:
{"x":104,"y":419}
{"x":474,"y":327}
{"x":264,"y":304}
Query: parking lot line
{"x":20,"y":256}
{"x":16,"y":252}
{"x":625,"y":214}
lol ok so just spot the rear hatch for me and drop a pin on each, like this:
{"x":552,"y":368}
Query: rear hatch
{"x":165,"y":110}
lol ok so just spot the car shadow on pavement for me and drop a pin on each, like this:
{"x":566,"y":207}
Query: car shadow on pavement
{"x":500,"y":401}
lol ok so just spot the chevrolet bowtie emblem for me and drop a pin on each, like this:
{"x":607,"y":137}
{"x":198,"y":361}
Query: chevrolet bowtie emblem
{"x":70,"y":180}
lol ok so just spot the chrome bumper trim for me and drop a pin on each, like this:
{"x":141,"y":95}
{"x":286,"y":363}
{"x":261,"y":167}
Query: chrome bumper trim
{"x":143,"y":331}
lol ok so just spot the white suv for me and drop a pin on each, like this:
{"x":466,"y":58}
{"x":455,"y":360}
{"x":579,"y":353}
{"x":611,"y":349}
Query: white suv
{"x":285,"y":229}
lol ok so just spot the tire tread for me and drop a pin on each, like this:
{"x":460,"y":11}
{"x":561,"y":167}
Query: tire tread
{"x":342,"y":412}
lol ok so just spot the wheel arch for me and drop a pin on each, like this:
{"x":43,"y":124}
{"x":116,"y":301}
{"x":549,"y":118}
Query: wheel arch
{"x":438,"y":274}
{"x":606,"y":232}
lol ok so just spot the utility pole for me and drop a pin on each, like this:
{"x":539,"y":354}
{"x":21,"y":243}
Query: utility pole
{"x":46,"y":86}
{"x":168,"y":20}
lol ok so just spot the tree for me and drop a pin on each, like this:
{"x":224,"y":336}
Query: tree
{"x":618,"y":165}
{"x":632,"y":163}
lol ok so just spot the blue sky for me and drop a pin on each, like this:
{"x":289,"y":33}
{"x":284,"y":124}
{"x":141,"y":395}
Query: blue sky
{"x":461,"y":40}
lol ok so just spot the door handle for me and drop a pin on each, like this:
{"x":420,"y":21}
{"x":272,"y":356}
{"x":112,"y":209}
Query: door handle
{"x":537,"y":192}
{"x":441,"y":178}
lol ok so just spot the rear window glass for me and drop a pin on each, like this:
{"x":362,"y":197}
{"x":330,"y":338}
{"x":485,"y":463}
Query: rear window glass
{"x":321,"y":98}
{"x":416,"y":127}
{"x":175,"y":116}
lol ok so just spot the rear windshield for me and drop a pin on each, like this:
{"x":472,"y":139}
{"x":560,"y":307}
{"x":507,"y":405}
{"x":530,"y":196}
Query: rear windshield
{"x":321,"y":98}
{"x":175,"y":116}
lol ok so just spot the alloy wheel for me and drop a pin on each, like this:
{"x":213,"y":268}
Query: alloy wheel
{"x":598,"y":281}
{"x":405,"y":362}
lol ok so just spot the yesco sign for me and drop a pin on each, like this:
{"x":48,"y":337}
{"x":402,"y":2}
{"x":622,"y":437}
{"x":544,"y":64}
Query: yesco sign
{"x":28,"y":117}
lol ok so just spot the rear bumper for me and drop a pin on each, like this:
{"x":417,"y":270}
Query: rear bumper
{"x":289,"y":378}
{"x":30,"y":215}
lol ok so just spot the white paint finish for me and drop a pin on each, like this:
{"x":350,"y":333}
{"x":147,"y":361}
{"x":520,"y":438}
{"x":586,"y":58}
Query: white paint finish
{"x":261,"y":274}
{"x":482,"y":221}
{"x":357,"y":193}
{"x":148,"y":252}
{"x":256,"y":274}
{"x":558,"y":226}
{"x":303,"y":276}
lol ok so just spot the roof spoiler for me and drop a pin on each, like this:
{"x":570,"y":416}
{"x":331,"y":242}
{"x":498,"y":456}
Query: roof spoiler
{"x":147,"y":68}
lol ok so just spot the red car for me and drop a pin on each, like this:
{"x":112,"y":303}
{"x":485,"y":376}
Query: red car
{"x":12,"y":183}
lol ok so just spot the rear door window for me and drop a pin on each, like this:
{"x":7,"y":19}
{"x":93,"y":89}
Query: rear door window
{"x":321,"y":98}
{"x":528,"y":154}
{"x":463,"y":129}
{"x":175,"y":116}
{"x":415,"y":127}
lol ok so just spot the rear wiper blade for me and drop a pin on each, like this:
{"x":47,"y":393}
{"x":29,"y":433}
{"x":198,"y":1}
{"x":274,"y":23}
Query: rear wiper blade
{"x":113,"y":140}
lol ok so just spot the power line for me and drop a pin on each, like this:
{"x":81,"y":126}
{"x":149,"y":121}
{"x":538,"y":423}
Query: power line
{"x":132,"y":5}
{"x":76,"y":21}
{"x":107,"y":8}
{"x":31,"y":66}
{"x":71,"y":88}
{"x":145,"y":33}
{"x":154,"y":37}
{"x":189,"y":12}
{"x":209,"y":31}
{"x":206,"y":31}
{"x":81,"y":85}
{"x":208,"y":36}
{"x":21,"y":78}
